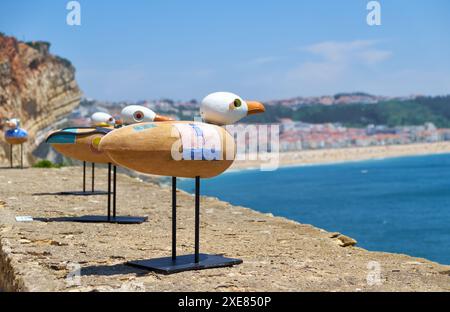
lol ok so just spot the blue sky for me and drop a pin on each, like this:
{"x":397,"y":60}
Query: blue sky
{"x":148,"y":49}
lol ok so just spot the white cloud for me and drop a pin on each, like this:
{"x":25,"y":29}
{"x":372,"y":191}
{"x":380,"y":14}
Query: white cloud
{"x":334,"y":66}
{"x":316,"y":71}
{"x":362,"y":51}
{"x":263,"y":60}
{"x":371,"y":57}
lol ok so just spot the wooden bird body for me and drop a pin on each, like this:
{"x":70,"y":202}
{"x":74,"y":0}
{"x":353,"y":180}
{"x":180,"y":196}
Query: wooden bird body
{"x":182,"y":148}
{"x":178,"y":148}
{"x":81,"y":143}
{"x":15,"y":134}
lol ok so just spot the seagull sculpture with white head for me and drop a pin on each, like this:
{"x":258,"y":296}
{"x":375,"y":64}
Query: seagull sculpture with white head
{"x":152,"y":147}
{"x":132,"y":114}
{"x":183,"y":149}
{"x":225,"y":108}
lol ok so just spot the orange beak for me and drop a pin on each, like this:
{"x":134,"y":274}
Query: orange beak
{"x":162,"y":118}
{"x":255,"y":107}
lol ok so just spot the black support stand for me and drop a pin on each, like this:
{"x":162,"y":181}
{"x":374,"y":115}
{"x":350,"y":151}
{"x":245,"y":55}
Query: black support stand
{"x":11,"y":155}
{"x":174,"y":218}
{"x":111,"y":197}
{"x":84,"y":177}
{"x":197,"y":261}
{"x":84,"y":192}
{"x":21,"y":156}
{"x":114,"y":191}
{"x":93,"y":177}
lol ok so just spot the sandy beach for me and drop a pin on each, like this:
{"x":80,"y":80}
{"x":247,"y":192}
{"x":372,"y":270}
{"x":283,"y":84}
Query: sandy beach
{"x":324,"y":156}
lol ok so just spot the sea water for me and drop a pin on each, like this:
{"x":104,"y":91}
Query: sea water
{"x":397,"y":205}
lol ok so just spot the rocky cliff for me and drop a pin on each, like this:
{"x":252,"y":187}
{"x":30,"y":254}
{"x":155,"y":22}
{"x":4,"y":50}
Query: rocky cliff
{"x":35,"y":86}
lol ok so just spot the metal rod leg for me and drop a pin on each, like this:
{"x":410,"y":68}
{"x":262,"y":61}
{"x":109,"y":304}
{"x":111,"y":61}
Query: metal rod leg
{"x":21,"y":156}
{"x":174,"y":218}
{"x":11,"y":155}
{"x":93,"y":176}
{"x":109,"y":191}
{"x":84,"y":176}
{"x":197,"y":219}
{"x":114,"y":191}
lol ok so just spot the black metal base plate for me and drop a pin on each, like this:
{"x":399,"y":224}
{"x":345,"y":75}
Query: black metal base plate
{"x":81,"y":193}
{"x":97,"y":219}
{"x":184,"y":263}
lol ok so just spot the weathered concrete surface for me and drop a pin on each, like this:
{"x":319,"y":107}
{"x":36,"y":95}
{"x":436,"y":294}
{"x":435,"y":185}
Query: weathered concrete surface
{"x":278,"y":254}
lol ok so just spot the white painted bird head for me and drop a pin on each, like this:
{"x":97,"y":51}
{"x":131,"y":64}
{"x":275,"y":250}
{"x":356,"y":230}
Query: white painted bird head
{"x":136,"y":113}
{"x":12,"y":123}
{"x":100,"y":119}
{"x":225,"y":108}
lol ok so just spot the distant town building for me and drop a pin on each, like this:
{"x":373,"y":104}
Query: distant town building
{"x":294,"y":135}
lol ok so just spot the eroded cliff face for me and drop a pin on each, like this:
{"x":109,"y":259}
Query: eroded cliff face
{"x":35,"y":86}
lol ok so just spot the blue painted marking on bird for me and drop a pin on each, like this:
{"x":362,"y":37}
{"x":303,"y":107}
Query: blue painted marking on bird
{"x":16,"y":133}
{"x":62,"y":138}
{"x":71,"y":130}
{"x":143,"y":127}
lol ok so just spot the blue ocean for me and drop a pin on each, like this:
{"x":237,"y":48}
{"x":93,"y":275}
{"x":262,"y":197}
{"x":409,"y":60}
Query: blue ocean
{"x":399,"y":205}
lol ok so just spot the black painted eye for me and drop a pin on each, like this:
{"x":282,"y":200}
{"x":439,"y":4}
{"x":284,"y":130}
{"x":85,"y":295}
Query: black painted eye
{"x":237,"y":103}
{"x":138,"y":116}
